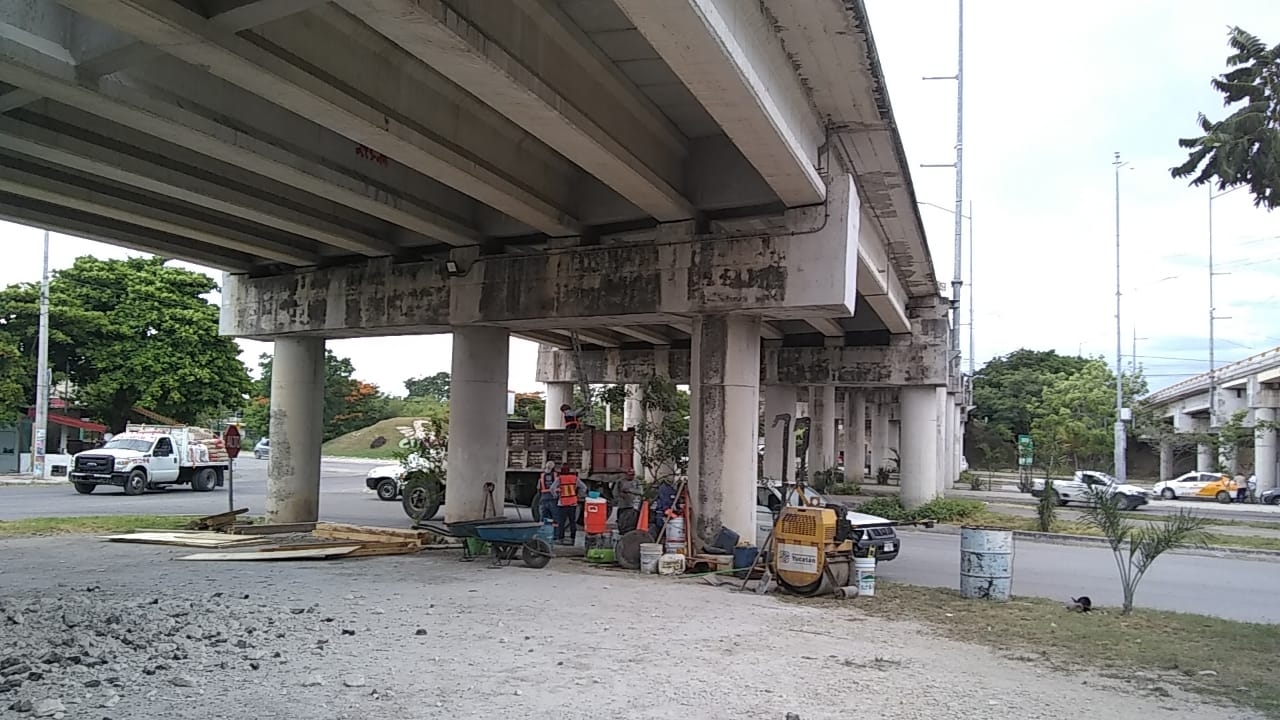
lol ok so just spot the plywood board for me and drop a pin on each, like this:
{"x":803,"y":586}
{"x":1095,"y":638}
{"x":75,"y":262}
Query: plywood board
{"x":309,"y":554}
{"x":274,"y":529}
{"x":185,"y":539}
{"x":386,"y":534}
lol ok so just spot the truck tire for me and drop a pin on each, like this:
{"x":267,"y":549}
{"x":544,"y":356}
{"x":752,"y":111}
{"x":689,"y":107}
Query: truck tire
{"x":421,"y":502}
{"x":136,"y":483}
{"x":84,"y":488}
{"x":204,"y":480}
{"x":388,"y":489}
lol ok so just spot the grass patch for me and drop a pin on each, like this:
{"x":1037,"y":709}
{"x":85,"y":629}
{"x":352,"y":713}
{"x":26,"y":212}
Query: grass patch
{"x":1168,"y":649}
{"x":1075,"y":527}
{"x":356,"y":443}
{"x":91,"y":524}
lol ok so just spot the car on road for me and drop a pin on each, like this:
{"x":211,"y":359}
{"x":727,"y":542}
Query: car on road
{"x":1083,"y":483}
{"x":876,"y":531}
{"x":387,"y":481}
{"x":1270,"y":497}
{"x":1197,"y":485}
{"x":262,"y":450}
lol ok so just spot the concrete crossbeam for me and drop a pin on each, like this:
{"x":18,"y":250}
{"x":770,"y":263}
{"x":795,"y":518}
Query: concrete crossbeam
{"x":727,"y":54}
{"x":567,"y":98}
{"x":643,"y":334}
{"x":189,"y":37}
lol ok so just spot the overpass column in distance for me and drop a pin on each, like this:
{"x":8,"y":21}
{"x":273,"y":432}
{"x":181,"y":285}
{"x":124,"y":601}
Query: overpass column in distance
{"x":918,"y":413}
{"x":1204,"y":458}
{"x":477,"y":421}
{"x":855,"y":435}
{"x":779,"y":399}
{"x":879,"y":432}
{"x":822,"y":433}
{"x":1264,"y":448}
{"x":558,"y":394}
{"x":633,"y":415}
{"x":724,"y":384}
{"x":1166,"y":460}
{"x":296,"y":430}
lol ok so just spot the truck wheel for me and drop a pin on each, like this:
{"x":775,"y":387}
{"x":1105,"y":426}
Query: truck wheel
{"x":136,"y":483}
{"x":388,"y":488}
{"x":1223,"y":497}
{"x":205,"y":480}
{"x":84,"y":488}
{"x":421,"y":502}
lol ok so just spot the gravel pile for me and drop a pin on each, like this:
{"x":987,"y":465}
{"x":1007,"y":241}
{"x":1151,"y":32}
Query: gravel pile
{"x":83,"y":652}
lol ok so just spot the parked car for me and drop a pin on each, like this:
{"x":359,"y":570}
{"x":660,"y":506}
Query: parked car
{"x":1084,"y":482}
{"x":1270,"y":497}
{"x":877,"y":532}
{"x":262,"y":450}
{"x":1198,"y":486}
{"x":386,"y":480}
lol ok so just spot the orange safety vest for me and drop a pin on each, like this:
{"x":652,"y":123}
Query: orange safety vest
{"x":568,"y":489}
{"x":546,"y":482}
{"x":571,"y":422}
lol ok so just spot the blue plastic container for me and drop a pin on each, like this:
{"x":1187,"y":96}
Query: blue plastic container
{"x":744,"y":557}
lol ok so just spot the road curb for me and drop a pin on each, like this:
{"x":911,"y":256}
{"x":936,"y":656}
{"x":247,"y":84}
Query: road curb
{"x":1065,"y":539}
{"x":23,"y":481}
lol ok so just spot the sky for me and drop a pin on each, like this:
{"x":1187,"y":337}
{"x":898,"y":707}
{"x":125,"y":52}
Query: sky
{"x":1052,"y":91}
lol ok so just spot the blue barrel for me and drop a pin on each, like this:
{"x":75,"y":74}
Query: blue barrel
{"x":986,"y":563}
{"x":744,"y":557}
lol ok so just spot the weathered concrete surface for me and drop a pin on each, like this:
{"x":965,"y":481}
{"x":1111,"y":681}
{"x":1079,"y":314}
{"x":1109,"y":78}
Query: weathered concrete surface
{"x":779,"y":400}
{"x":724,"y":413}
{"x":558,"y":393}
{"x":822,"y":431}
{"x":919,"y":445}
{"x":477,"y":421}
{"x":297,"y":430}
{"x":855,"y":436}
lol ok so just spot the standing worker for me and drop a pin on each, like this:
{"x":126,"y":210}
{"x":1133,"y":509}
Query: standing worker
{"x":571,"y":421}
{"x":571,"y":488}
{"x":548,"y":494}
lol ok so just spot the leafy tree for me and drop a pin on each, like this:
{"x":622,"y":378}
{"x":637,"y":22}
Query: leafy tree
{"x":13,"y":380}
{"x":532,"y":407}
{"x":435,"y":387}
{"x":1243,"y":148}
{"x":130,"y":332}
{"x":1007,"y":389}
{"x":662,"y":434}
{"x":1136,"y":545}
{"x":349,"y":404}
{"x":1074,"y":423}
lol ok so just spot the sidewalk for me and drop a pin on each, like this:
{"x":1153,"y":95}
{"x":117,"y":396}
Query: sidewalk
{"x":29,"y":479}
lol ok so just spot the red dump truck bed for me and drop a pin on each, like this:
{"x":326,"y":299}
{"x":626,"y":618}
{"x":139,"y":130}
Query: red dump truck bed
{"x":590,"y":452}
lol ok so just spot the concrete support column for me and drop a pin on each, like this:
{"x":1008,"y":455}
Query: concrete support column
{"x":1229,"y":460}
{"x":1264,"y":448}
{"x":724,"y":416}
{"x":855,"y":436}
{"x":894,"y":444}
{"x":822,"y":435}
{"x":779,"y":400}
{"x":918,"y":410}
{"x":296,"y":430}
{"x":1166,"y":460}
{"x":477,"y":421}
{"x":557,"y":394}
{"x":942,"y":482}
{"x":632,"y":416}
{"x":958,"y":447}
{"x":1204,"y":458}
{"x":879,"y":435}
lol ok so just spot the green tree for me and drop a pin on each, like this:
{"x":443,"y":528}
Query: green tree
{"x":13,"y":380}
{"x":1074,"y":420}
{"x":532,"y":407}
{"x":1244,"y":147}
{"x":1007,"y":389}
{"x":349,"y":404}
{"x":435,"y":387}
{"x":131,"y":332}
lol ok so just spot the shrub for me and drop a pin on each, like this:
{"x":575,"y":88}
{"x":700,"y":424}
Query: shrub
{"x":824,"y":479}
{"x":1046,"y":509}
{"x":944,"y":510}
{"x":844,"y":488}
{"x":885,"y":507}
{"x":974,"y":480}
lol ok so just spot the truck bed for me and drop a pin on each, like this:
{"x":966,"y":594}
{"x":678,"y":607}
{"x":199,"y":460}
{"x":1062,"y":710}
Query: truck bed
{"x":589,"y":451}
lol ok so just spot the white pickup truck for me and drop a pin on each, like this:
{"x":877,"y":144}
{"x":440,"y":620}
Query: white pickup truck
{"x":1085,"y":482}
{"x":150,"y":456}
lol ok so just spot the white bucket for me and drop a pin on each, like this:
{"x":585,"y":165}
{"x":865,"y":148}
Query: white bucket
{"x":671,"y":564}
{"x":675,"y":535}
{"x":864,"y":570}
{"x":649,"y":555}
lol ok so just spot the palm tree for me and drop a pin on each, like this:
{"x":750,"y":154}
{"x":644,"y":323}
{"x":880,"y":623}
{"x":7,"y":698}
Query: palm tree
{"x":1136,"y":547}
{"x":1244,"y":148}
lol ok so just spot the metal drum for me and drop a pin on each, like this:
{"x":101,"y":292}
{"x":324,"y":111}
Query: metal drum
{"x":986,"y":563}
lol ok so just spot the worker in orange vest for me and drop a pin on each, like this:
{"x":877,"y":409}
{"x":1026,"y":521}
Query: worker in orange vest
{"x":571,"y":421}
{"x":571,"y":488}
{"x":549,"y":493}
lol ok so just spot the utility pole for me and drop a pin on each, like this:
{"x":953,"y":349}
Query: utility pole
{"x":1213,"y":314}
{"x":1121,"y":441}
{"x":971,"y":350}
{"x":39,"y":429}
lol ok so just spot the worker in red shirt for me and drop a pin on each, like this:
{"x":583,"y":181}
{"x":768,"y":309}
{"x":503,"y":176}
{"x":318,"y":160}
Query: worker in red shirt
{"x":571,"y":488}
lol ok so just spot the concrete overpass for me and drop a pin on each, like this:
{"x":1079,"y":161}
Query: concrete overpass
{"x":1203,"y":403}
{"x":660,"y":175}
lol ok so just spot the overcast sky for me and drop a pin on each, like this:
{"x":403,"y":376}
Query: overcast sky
{"x":1052,"y":90}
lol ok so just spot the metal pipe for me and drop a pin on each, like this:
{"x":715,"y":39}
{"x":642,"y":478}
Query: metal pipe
{"x":1213,"y":401}
{"x":957,"y":280}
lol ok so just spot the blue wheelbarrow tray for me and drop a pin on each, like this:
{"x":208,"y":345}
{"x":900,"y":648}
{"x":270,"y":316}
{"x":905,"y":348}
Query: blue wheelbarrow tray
{"x":514,"y":533}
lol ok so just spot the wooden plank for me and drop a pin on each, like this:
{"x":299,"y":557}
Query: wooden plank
{"x":218,"y":520}
{"x":374,"y":550}
{"x":275,"y":529}
{"x":311,"y":554}
{"x":363,"y":537}
{"x":304,"y":546}
{"x":184,"y":539}
{"x":398,"y":533}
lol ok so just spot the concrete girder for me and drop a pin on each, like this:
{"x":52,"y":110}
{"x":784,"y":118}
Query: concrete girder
{"x":568,"y":98}
{"x":594,"y":337}
{"x":132,"y":170}
{"x":144,"y":212}
{"x":192,"y":39}
{"x":118,"y":103}
{"x":877,"y":280}
{"x":769,"y":331}
{"x":643,"y":334}
{"x":829,"y":327}
{"x":728,"y":55}
{"x":24,"y":211}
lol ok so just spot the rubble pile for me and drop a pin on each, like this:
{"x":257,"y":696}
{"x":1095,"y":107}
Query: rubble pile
{"x":89,"y":651}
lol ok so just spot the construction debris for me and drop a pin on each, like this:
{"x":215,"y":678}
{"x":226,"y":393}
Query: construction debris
{"x":274,"y":529}
{"x":281,"y":553}
{"x":305,"y":541}
{"x":185,"y":538}
{"x":220,"y":521}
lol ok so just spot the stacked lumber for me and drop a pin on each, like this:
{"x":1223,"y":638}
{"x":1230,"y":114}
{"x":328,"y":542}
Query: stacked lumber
{"x":320,"y":542}
{"x":186,"y":538}
{"x":221,"y":521}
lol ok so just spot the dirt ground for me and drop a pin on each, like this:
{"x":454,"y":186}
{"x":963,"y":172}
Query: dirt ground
{"x":429,"y":637}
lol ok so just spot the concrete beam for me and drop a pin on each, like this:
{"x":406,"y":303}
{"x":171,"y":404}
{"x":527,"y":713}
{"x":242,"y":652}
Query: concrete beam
{"x":643,"y":334}
{"x":878,"y":280}
{"x":727,"y":54}
{"x":594,"y":337}
{"x":19,"y":178}
{"x":523,"y":60}
{"x":191,"y":38}
{"x":829,"y":327}
{"x":769,"y":331}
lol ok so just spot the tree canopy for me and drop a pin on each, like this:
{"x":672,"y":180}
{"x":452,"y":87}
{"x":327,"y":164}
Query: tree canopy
{"x":1007,"y":389}
{"x":125,"y":333}
{"x":349,"y":404}
{"x":435,"y":387}
{"x":1242,"y":149}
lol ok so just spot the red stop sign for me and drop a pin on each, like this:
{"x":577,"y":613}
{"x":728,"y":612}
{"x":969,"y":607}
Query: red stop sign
{"x":231,"y":438}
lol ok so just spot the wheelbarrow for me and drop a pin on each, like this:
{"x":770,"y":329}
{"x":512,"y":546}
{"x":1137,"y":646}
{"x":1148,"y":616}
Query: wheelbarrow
{"x":507,"y":536}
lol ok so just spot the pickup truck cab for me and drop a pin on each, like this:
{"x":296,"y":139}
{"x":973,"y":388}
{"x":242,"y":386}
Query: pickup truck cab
{"x":146,"y":457}
{"x":874,"y":531}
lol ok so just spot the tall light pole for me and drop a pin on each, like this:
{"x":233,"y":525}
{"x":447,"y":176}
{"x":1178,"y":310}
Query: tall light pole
{"x":1213,"y":314}
{"x":1121,"y":442}
{"x":969,"y":218}
{"x":39,"y":429}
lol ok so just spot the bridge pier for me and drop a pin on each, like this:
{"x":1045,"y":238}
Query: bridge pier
{"x":880,"y":435}
{"x":918,"y":408}
{"x":477,"y":421}
{"x":296,"y":430}
{"x":1166,"y":461}
{"x":1264,"y":448}
{"x":855,"y":436}
{"x":1204,"y":458}
{"x":779,"y":400}
{"x":822,"y":447}
{"x":558,"y":393}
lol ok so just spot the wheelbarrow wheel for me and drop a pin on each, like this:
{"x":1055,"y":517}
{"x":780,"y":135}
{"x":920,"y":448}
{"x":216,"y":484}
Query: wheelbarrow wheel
{"x":536,"y":553}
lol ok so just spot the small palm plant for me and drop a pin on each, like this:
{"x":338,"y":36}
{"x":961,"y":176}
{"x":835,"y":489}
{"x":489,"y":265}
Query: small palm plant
{"x":1136,"y":545}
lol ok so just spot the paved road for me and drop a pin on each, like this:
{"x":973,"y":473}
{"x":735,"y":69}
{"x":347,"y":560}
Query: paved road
{"x":1227,"y":587}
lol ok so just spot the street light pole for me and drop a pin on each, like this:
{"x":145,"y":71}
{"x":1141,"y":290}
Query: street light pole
{"x":1213,"y":314}
{"x":39,"y":429}
{"x":1121,"y":440}
{"x":971,"y":350}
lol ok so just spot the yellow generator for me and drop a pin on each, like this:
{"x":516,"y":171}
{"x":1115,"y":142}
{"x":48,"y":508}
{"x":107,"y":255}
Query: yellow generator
{"x":813,"y":549}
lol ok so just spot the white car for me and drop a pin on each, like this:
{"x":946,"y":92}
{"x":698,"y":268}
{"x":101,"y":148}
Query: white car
{"x":1198,"y":486}
{"x":876,"y":531}
{"x":1079,"y":487}
{"x":386,"y":480}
